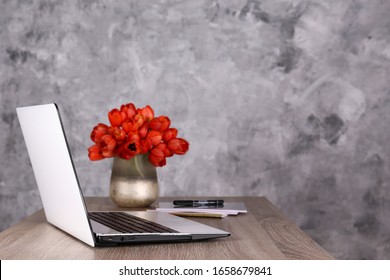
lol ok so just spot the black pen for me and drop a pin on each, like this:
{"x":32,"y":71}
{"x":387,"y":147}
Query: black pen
{"x":212,"y":202}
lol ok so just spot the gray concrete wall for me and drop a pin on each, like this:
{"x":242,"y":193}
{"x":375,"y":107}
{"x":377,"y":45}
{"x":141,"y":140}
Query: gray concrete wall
{"x":286,"y":99}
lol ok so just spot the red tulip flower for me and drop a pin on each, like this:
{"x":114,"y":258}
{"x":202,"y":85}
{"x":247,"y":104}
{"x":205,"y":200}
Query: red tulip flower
{"x":128,"y":111}
{"x":98,"y":132}
{"x":130,"y":126}
{"x":107,"y":145}
{"x":143,"y":130}
{"x":118,"y":134}
{"x":160,"y":123}
{"x":169,"y":134}
{"x":145,"y":145}
{"x":135,"y":131}
{"x":157,"y":158}
{"x":164,"y":148}
{"x":129,"y":149}
{"x":95,"y":153}
{"x":147,"y":113}
{"x":154,"y":137}
{"x":178,"y":146}
{"x":115,"y":117}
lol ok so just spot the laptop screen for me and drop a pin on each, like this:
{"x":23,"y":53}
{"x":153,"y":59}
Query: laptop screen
{"x":54,"y":172}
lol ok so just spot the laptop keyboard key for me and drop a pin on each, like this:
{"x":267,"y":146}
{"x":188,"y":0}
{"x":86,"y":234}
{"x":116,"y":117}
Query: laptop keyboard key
{"x":126,"y":223}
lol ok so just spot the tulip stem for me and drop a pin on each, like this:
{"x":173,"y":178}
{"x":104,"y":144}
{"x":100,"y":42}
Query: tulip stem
{"x":138,"y":167}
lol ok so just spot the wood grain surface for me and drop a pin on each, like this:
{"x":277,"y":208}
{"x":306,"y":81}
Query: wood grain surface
{"x":262,"y":233}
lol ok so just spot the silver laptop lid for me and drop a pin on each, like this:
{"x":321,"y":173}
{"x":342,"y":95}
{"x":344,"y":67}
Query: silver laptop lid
{"x":54,"y":172}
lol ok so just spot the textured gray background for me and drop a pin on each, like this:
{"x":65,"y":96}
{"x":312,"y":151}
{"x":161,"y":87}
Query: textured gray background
{"x":287,"y":99}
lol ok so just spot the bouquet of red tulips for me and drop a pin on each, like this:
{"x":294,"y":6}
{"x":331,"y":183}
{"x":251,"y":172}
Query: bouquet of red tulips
{"x":135,"y":131}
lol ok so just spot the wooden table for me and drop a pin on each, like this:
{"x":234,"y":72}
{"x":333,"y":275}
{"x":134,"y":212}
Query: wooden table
{"x":262,"y":233}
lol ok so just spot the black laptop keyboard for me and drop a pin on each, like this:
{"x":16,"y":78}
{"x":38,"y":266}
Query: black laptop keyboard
{"x":125,"y":223}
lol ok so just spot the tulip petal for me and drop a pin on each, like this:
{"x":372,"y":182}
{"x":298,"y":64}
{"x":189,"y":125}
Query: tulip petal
{"x":115,"y":118}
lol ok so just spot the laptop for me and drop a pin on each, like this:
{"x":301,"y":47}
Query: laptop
{"x":63,"y":201}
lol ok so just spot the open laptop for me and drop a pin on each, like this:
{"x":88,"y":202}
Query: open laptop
{"x":63,"y":201}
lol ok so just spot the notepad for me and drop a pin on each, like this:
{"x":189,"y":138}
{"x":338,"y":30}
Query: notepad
{"x":199,"y":214}
{"x":228,"y":208}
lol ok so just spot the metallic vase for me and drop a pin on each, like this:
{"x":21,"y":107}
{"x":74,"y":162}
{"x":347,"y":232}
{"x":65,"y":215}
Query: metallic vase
{"x":133,"y":182}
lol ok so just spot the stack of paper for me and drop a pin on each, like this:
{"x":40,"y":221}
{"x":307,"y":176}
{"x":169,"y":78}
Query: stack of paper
{"x":228,"y":208}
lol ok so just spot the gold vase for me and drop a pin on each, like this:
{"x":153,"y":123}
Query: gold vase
{"x":133,"y":182}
